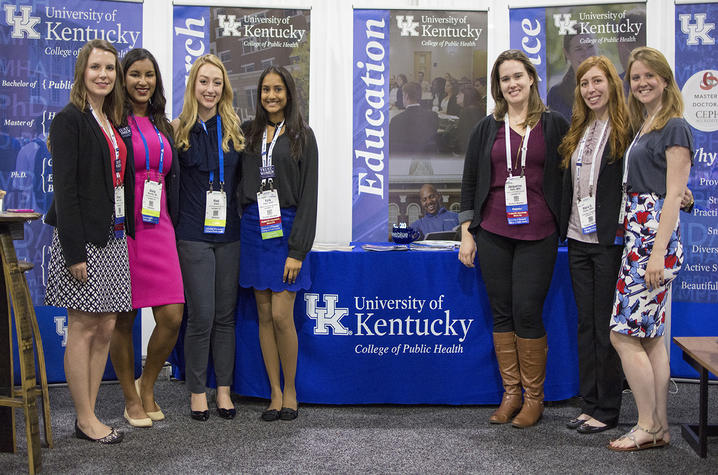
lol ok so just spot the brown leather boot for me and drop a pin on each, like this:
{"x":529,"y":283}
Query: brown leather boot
{"x":506,"y":355}
{"x":532,"y":363}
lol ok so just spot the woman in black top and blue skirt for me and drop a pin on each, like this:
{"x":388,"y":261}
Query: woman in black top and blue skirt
{"x":279,"y":201}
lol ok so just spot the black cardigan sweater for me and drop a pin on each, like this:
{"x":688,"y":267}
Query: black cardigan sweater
{"x":84,"y":196}
{"x":171,"y":181}
{"x":608,"y":199}
{"x":476,"y":180}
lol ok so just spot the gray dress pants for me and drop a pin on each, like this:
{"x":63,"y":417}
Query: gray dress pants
{"x":210,"y":272}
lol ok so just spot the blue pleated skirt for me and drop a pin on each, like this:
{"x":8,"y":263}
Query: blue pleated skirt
{"x":262,"y":261}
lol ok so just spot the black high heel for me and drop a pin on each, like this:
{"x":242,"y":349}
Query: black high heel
{"x":200,"y":415}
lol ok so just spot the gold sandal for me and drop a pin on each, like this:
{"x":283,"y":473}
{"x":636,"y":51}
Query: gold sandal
{"x":655,"y":443}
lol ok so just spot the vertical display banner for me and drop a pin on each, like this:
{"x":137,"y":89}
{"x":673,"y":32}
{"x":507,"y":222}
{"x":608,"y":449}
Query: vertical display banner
{"x":419,"y":89}
{"x":246,"y":40}
{"x":558,"y":39}
{"x":695,"y":291}
{"x":39,"y":42}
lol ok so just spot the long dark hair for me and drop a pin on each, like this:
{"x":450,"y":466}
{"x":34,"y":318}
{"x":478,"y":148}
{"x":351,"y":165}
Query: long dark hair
{"x":156,"y":105}
{"x":295,"y":127}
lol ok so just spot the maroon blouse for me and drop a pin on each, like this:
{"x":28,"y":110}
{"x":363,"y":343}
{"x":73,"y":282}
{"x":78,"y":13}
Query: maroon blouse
{"x":541,"y":222}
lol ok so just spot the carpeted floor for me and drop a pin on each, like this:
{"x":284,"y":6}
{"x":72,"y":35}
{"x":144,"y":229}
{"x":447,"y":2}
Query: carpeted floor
{"x":358,"y":439}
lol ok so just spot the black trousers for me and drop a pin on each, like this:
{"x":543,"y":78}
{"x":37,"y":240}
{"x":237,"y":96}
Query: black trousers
{"x":517,"y":275}
{"x":594,"y":271}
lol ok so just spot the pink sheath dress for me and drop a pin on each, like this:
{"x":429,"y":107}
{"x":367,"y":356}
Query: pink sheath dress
{"x":154,"y":266}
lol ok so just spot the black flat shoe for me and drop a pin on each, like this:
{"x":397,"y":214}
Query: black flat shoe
{"x":589,"y":429}
{"x":270,"y":415}
{"x":200,"y":415}
{"x":575,"y":423}
{"x":287,"y":414}
{"x":226,"y":413}
{"x":114,"y":437}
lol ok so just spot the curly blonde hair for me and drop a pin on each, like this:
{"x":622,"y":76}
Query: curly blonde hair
{"x":188,"y":117}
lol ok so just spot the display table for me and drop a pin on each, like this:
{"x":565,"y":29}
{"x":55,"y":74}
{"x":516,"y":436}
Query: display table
{"x":702,"y":354}
{"x":404,"y":327}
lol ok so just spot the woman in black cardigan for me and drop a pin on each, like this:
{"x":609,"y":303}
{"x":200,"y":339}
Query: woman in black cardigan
{"x":89,"y":272}
{"x":593,"y":159}
{"x":516,"y":244}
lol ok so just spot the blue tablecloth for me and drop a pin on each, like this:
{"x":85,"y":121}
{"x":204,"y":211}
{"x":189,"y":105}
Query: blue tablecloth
{"x":405,"y":327}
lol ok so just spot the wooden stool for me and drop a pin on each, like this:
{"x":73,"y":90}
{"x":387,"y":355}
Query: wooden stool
{"x":17,"y":294}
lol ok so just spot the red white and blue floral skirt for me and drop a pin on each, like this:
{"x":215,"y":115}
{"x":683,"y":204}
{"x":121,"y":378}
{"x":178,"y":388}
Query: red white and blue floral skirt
{"x":638,"y":311}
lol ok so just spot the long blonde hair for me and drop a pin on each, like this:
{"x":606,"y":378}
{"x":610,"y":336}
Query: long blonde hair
{"x":671,"y":101}
{"x":188,"y":116}
{"x":582,"y":115}
{"x":112,"y":104}
{"x":536,"y":106}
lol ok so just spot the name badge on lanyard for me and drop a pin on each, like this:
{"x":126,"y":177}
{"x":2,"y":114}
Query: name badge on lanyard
{"x":270,"y":214}
{"x":119,"y":224}
{"x":515,"y":191}
{"x":152,"y":191}
{"x":586,"y":206}
{"x":215,"y":214}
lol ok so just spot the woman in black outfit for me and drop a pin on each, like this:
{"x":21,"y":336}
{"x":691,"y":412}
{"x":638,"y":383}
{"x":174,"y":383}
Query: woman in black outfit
{"x":593,"y":158}
{"x":516,"y":244}
{"x":280,"y":168}
{"x":92,"y":213}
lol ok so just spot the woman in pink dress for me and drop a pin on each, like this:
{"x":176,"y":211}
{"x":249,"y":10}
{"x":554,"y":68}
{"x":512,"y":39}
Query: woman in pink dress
{"x":154,"y":266}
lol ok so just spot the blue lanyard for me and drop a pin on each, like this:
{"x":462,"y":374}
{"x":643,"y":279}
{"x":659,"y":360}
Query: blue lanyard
{"x":221,"y":154}
{"x":147,"y":149}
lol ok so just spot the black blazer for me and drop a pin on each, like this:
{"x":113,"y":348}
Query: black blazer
{"x":171,"y":182}
{"x":477,"y":166}
{"x":608,"y":199}
{"x":83,"y":202}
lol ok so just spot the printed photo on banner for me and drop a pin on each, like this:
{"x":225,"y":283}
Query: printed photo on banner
{"x":39,"y":43}
{"x":697,"y":76}
{"x":558,"y":39}
{"x":433,"y":91}
{"x":246,"y":40}
{"x":576,"y":33}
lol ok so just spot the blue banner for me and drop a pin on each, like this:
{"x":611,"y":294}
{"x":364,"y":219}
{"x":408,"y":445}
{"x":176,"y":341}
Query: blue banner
{"x":39,"y":42}
{"x":695,"y":290}
{"x":246,"y":40}
{"x":370,"y":145}
{"x":190,"y":41}
{"x":697,"y":76}
{"x":419,"y":90}
{"x":527,"y":28}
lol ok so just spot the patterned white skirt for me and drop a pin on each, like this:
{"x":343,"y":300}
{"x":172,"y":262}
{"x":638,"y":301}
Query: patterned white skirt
{"x":108,"y":278}
{"x":638,"y":311}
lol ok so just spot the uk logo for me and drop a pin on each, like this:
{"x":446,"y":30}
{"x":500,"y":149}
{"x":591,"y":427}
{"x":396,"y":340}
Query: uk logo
{"x":229,"y":24}
{"x":564,"y":23}
{"x":328,"y":317}
{"x":22,"y":25}
{"x":61,"y":329}
{"x":697,"y":30}
{"x":407,"y":25}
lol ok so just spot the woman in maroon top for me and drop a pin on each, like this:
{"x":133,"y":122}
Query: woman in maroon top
{"x":509,"y":215}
